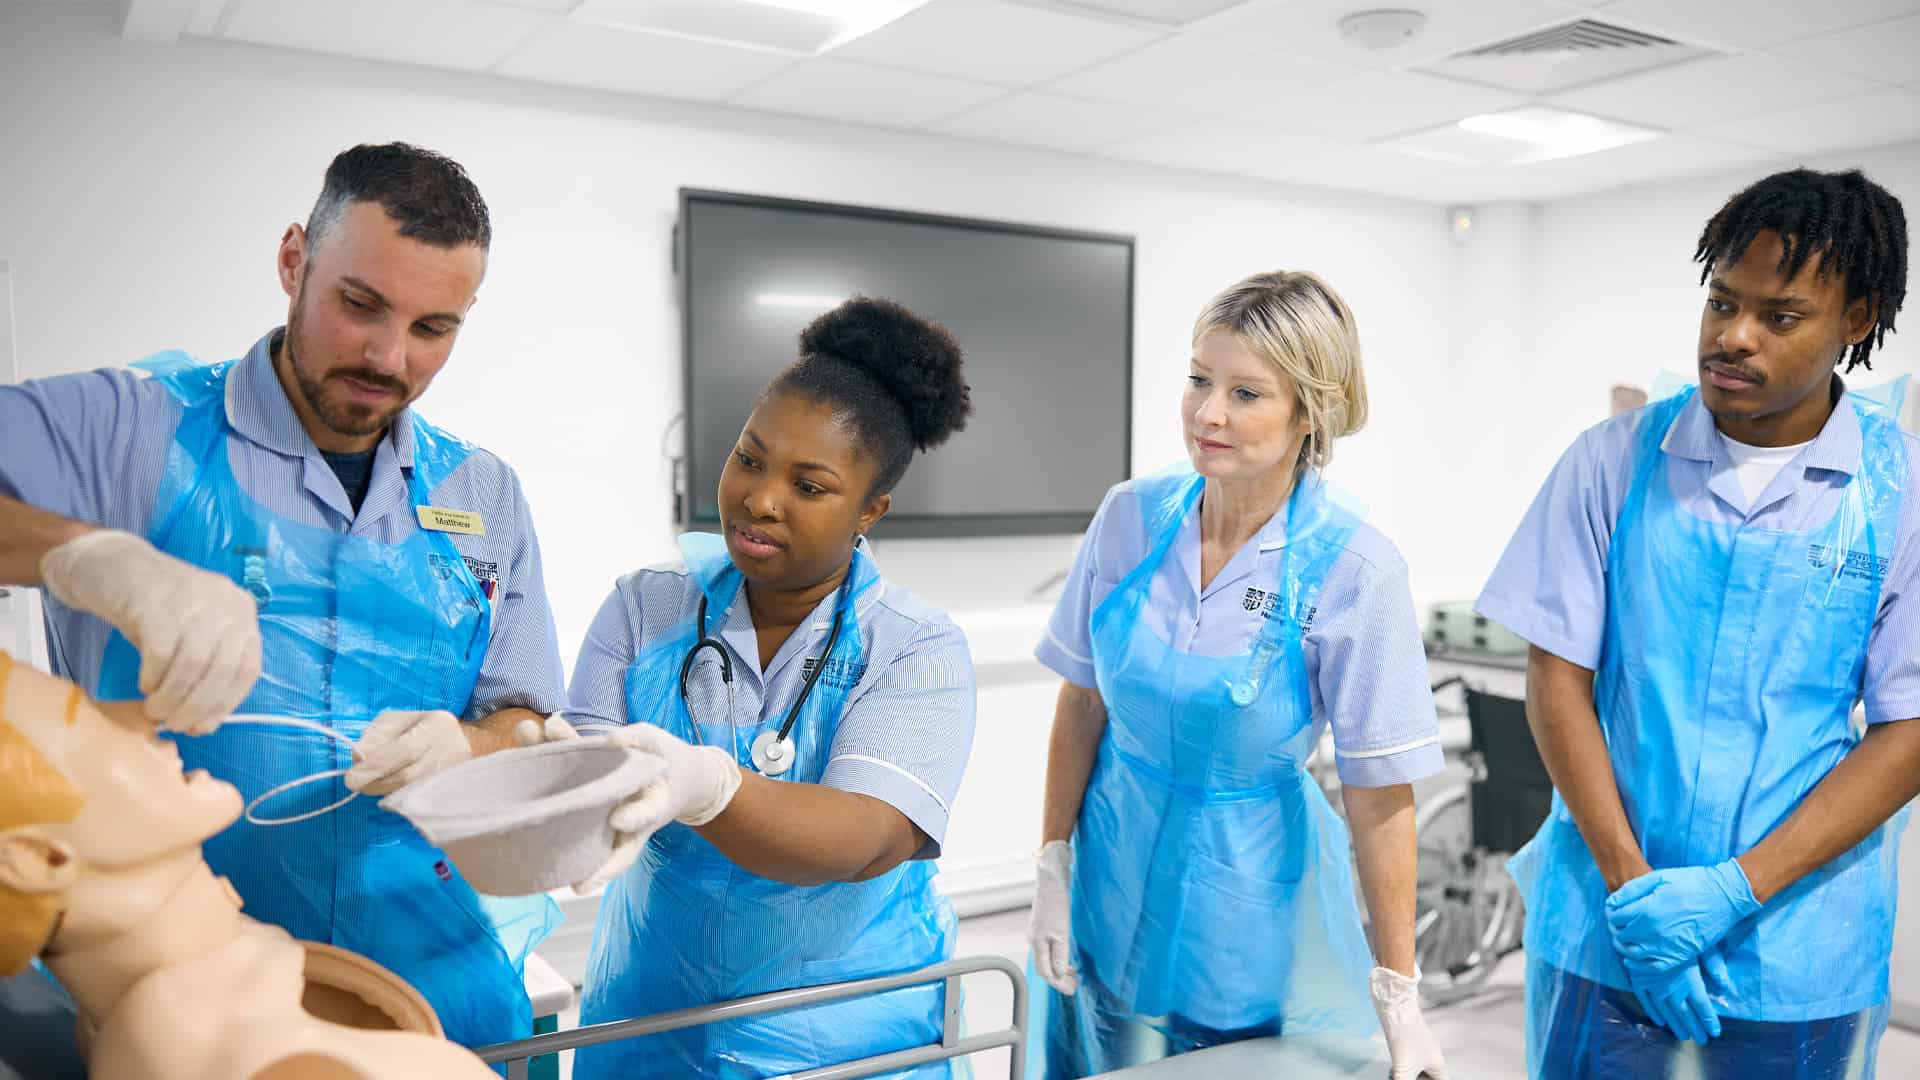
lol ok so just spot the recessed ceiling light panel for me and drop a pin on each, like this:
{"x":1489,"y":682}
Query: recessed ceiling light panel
{"x":1520,"y":136}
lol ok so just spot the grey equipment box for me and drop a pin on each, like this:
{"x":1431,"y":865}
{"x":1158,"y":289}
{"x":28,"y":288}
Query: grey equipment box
{"x":1453,"y":626}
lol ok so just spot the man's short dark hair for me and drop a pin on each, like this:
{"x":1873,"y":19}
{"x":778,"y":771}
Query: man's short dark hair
{"x":428,"y":194}
{"x":1854,"y":226}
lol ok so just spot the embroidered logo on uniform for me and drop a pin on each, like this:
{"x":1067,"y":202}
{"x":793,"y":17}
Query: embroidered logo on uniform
{"x":1265,"y":603}
{"x":840,"y":674}
{"x":1858,"y":565}
{"x":486,"y":573}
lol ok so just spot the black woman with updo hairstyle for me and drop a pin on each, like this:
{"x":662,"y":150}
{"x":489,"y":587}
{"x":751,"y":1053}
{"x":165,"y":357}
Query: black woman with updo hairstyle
{"x":814,"y":721}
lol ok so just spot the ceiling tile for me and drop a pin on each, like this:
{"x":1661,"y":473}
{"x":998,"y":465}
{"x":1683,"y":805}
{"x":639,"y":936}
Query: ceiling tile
{"x":437,"y":33}
{"x":864,"y":94}
{"x":1710,"y":90}
{"x":558,"y":6}
{"x":206,"y":17}
{"x":1752,"y":24}
{"x":798,"y":27}
{"x":1311,"y":28}
{"x":1172,"y":14}
{"x":1876,"y":118}
{"x":1668,"y":158}
{"x":1202,"y":72}
{"x":1054,"y":122}
{"x":1382,"y":103}
{"x":1882,"y":51}
{"x":995,"y":42}
{"x":1304,"y":160}
{"x":1226,"y":149}
{"x":606,"y":58}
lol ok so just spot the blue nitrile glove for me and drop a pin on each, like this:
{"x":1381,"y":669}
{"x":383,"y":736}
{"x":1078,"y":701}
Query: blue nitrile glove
{"x":1670,"y":918}
{"x":1677,"y":999}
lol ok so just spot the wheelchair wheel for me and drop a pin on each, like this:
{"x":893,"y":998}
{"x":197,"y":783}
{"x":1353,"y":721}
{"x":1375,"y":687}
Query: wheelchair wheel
{"x":1467,"y":913}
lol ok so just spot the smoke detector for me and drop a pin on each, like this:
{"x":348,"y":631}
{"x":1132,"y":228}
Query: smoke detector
{"x":1382,"y":29}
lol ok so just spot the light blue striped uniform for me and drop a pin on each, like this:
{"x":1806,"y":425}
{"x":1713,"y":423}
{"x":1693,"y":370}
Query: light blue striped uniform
{"x":1550,"y":585}
{"x":1362,"y":644}
{"x":908,"y":724}
{"x":92,"y":446}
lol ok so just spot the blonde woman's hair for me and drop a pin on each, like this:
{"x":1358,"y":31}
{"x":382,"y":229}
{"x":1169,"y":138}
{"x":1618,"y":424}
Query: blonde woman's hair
{"x":1295,"y":321}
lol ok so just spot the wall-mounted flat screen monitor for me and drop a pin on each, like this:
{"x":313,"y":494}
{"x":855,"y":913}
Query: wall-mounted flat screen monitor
{"x":1044,"y":316}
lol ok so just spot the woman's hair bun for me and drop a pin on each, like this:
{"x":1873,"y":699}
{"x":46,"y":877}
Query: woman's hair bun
{"x":915,"y":359}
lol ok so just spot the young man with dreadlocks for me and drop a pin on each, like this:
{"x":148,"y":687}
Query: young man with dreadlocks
{"x":1710,"y":585}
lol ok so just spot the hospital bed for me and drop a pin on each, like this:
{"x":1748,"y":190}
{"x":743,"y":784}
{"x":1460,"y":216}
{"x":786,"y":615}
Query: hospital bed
{"x":953,"y":1042}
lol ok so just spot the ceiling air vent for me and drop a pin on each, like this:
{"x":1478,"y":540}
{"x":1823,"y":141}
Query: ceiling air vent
{"x":1564,"y":56}
{"x":1572,"y":37}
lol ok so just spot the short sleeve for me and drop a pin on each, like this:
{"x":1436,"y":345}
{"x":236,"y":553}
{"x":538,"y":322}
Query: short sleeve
{"x":596,"y":698}
{"x":905,"y":739}
{"x":1550,"y":584}
{"x":1892,"y":680}
{"x":522,"y":665}
{"x":1369,"y":672}
{"x":88,"y":446}
{"x":1067,"y":647}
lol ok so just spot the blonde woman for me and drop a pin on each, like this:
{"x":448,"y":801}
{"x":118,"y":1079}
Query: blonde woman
{"x":1194,"y":886}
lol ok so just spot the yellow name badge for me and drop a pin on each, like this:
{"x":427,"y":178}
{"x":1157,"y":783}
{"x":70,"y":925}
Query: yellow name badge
{"x":454,"y":521}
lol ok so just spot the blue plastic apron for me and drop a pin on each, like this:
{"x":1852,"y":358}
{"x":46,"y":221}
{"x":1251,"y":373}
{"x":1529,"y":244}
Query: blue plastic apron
{"x":1213,"y":892}
{"x":350,"y":627}
{"x":1732,"y":658}
{"x":686,"y":926}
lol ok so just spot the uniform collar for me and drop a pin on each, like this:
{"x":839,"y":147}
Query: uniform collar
{"x":1836,"y":449}
{"x":257,"y":408}
{"x":738,"y":630}
{"x":1186,"y":550}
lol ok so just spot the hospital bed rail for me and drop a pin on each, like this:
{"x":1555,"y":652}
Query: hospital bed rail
{"x":952,"y":1043}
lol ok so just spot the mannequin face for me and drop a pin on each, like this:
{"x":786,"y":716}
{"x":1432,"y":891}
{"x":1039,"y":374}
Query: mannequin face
{"x":139,"y":805}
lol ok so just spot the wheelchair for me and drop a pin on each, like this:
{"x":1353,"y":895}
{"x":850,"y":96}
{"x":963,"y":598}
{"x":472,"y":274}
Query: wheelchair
{"x":1469,"y":913}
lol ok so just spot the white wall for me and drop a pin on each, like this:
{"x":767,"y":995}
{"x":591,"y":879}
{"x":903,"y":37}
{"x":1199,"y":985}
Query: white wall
{"x":145,"y":188}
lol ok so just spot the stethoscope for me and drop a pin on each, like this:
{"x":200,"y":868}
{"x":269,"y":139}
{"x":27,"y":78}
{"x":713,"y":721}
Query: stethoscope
{"x":773,"y":752}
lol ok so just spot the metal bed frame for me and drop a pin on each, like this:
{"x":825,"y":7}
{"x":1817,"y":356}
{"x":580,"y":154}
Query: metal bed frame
{"x":952,"y":1044}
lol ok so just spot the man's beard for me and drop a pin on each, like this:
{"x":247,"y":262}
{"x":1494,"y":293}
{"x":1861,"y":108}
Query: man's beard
{"x":344,"y":417}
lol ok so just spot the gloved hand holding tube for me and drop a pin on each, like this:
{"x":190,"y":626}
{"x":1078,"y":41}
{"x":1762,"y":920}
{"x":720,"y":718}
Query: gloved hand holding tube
{"x":197,"y":632}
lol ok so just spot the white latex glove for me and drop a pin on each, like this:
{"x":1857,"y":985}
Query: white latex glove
{"x":1049,"y":926}
{"x":1410,"y":1043}
{"x":695,"y":787}
{"x":401,"y":747}
{"x":198,"y":633}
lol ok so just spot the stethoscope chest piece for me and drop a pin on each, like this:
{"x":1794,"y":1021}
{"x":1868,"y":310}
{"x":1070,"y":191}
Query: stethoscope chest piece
{"x":772,"y":755}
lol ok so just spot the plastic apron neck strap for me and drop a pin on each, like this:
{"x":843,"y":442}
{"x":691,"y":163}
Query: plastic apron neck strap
{"x":1309,"y":513}
{"x":712,"y":570}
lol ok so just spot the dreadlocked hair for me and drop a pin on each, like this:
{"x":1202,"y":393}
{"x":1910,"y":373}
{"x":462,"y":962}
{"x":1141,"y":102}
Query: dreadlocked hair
{"x":1855,"y":226}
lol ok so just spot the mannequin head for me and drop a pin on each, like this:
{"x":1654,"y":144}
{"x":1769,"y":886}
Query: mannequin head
{"x":84,"y":793}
